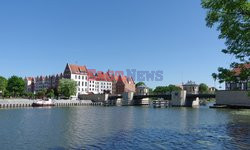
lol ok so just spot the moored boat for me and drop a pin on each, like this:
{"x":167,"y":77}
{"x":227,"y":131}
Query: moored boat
{"x":43,"y":103}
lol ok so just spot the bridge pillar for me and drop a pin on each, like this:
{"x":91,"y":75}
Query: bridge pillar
{"x":127,"y":98}
{"x":178,"y":98}
{"x":196,"y":102}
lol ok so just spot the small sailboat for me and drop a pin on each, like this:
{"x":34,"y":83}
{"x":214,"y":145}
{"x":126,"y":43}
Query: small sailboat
{"x":43,"y":103}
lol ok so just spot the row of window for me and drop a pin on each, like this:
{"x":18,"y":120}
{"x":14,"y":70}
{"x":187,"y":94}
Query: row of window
{"x":81,"y":77}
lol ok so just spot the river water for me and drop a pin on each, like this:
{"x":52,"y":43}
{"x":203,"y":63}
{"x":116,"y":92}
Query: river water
{"x":97,"y":127}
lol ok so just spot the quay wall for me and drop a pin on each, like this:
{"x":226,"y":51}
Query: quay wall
{"x":13,"y":103}
{"x":94,"y":97}
{"x":237,"y":98}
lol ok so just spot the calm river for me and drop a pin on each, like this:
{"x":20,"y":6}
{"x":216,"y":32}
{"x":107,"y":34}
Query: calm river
{"x":97,"y":127}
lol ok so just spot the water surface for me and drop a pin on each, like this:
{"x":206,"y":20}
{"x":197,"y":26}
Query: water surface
{"x":89,"y":127}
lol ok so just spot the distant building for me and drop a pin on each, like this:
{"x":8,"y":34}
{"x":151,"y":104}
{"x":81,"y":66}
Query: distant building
{"x":87,"y":82}
{"x":191,"y":87}
{"x":114,"y":80}
{"x":125,"y":84}
{"x":142,"y":90}
{"x":29,"y":84}
{"x":241,"y":84}
{"x":39,"y":83}
{"x":211,"y":89}
{"x":78,"y":74}
{"x":104,"y":82}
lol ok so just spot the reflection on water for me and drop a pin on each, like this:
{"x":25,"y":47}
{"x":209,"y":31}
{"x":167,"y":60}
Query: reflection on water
{"x":124,"y":128}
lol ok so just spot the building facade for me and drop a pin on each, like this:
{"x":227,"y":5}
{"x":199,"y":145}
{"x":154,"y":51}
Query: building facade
{"x":142,"y":90}
{"x":191,"y":87}
{"x":39,"y":83}
{"x":88,"y":82}
{"x":125,"y":84}
{"x":239,"y":84}
{"x":78,"y":74}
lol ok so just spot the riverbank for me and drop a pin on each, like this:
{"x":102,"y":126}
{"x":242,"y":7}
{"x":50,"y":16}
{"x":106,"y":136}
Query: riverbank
{"x":12,"y":103}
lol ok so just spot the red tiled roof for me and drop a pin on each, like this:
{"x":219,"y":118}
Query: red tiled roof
{"x":100,"y":76}
{"x":91,"y":76}
{"x":126,"y":80}
{"x":238,"y":70}
{"x":113,"y":77}
{"x":76,"y":69}
{"x":107,"y":76}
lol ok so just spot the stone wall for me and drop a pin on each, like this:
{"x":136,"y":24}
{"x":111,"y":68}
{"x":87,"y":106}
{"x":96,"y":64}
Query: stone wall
{"x":94,"y":97}
{"x":239,"y":98}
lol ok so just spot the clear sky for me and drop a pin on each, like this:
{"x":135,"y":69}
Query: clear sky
{"x":38,"y":37}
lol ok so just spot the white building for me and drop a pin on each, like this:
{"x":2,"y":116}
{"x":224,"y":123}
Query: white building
{"x":88,"y":82}
{"x":78,"y":74}
{"x":29,"y":84}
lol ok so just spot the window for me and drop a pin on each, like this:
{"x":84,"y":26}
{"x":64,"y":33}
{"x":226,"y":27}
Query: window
{"x":86,"y":83}
{"x":75,"y":76}
{"x":79,"y":77}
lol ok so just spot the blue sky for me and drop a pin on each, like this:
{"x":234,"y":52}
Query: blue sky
{"x":38,"y":37}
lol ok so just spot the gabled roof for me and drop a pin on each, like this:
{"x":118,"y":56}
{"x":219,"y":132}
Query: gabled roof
{"x":113,"y":77}
{"x":91,"y":76}
{"x":126,"y":80}
{"x":101,"y":76}
{"x":76,"y":69}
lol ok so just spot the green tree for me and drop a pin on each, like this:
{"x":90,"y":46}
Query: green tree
{"x":50,"y":93}
{"x":16,"y":86}
{"x":203,"y":88}
{"x":160,"y":90}
{"x":172,"y":88}
{"x":3,"y":84}
{"x":164,"y":89}
{"x":67,"y":87}
{"x":56,"y":93}
{"x":41,"y":94}
{"x":29,"y":95}
{"x":139,"y":84}
{"x":233,"y":20}
{"x":150,"y":91}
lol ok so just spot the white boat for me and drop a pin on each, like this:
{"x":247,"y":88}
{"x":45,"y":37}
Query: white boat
{"x":42,"y":103}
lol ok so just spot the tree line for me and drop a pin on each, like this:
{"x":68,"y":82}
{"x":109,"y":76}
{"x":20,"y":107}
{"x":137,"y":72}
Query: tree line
{"x":203,"y":88}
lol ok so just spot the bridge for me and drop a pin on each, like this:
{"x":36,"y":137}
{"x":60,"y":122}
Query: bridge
{"x":180,"y":98}
{"x":165,"y":96}
{"x":177,"y":98}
